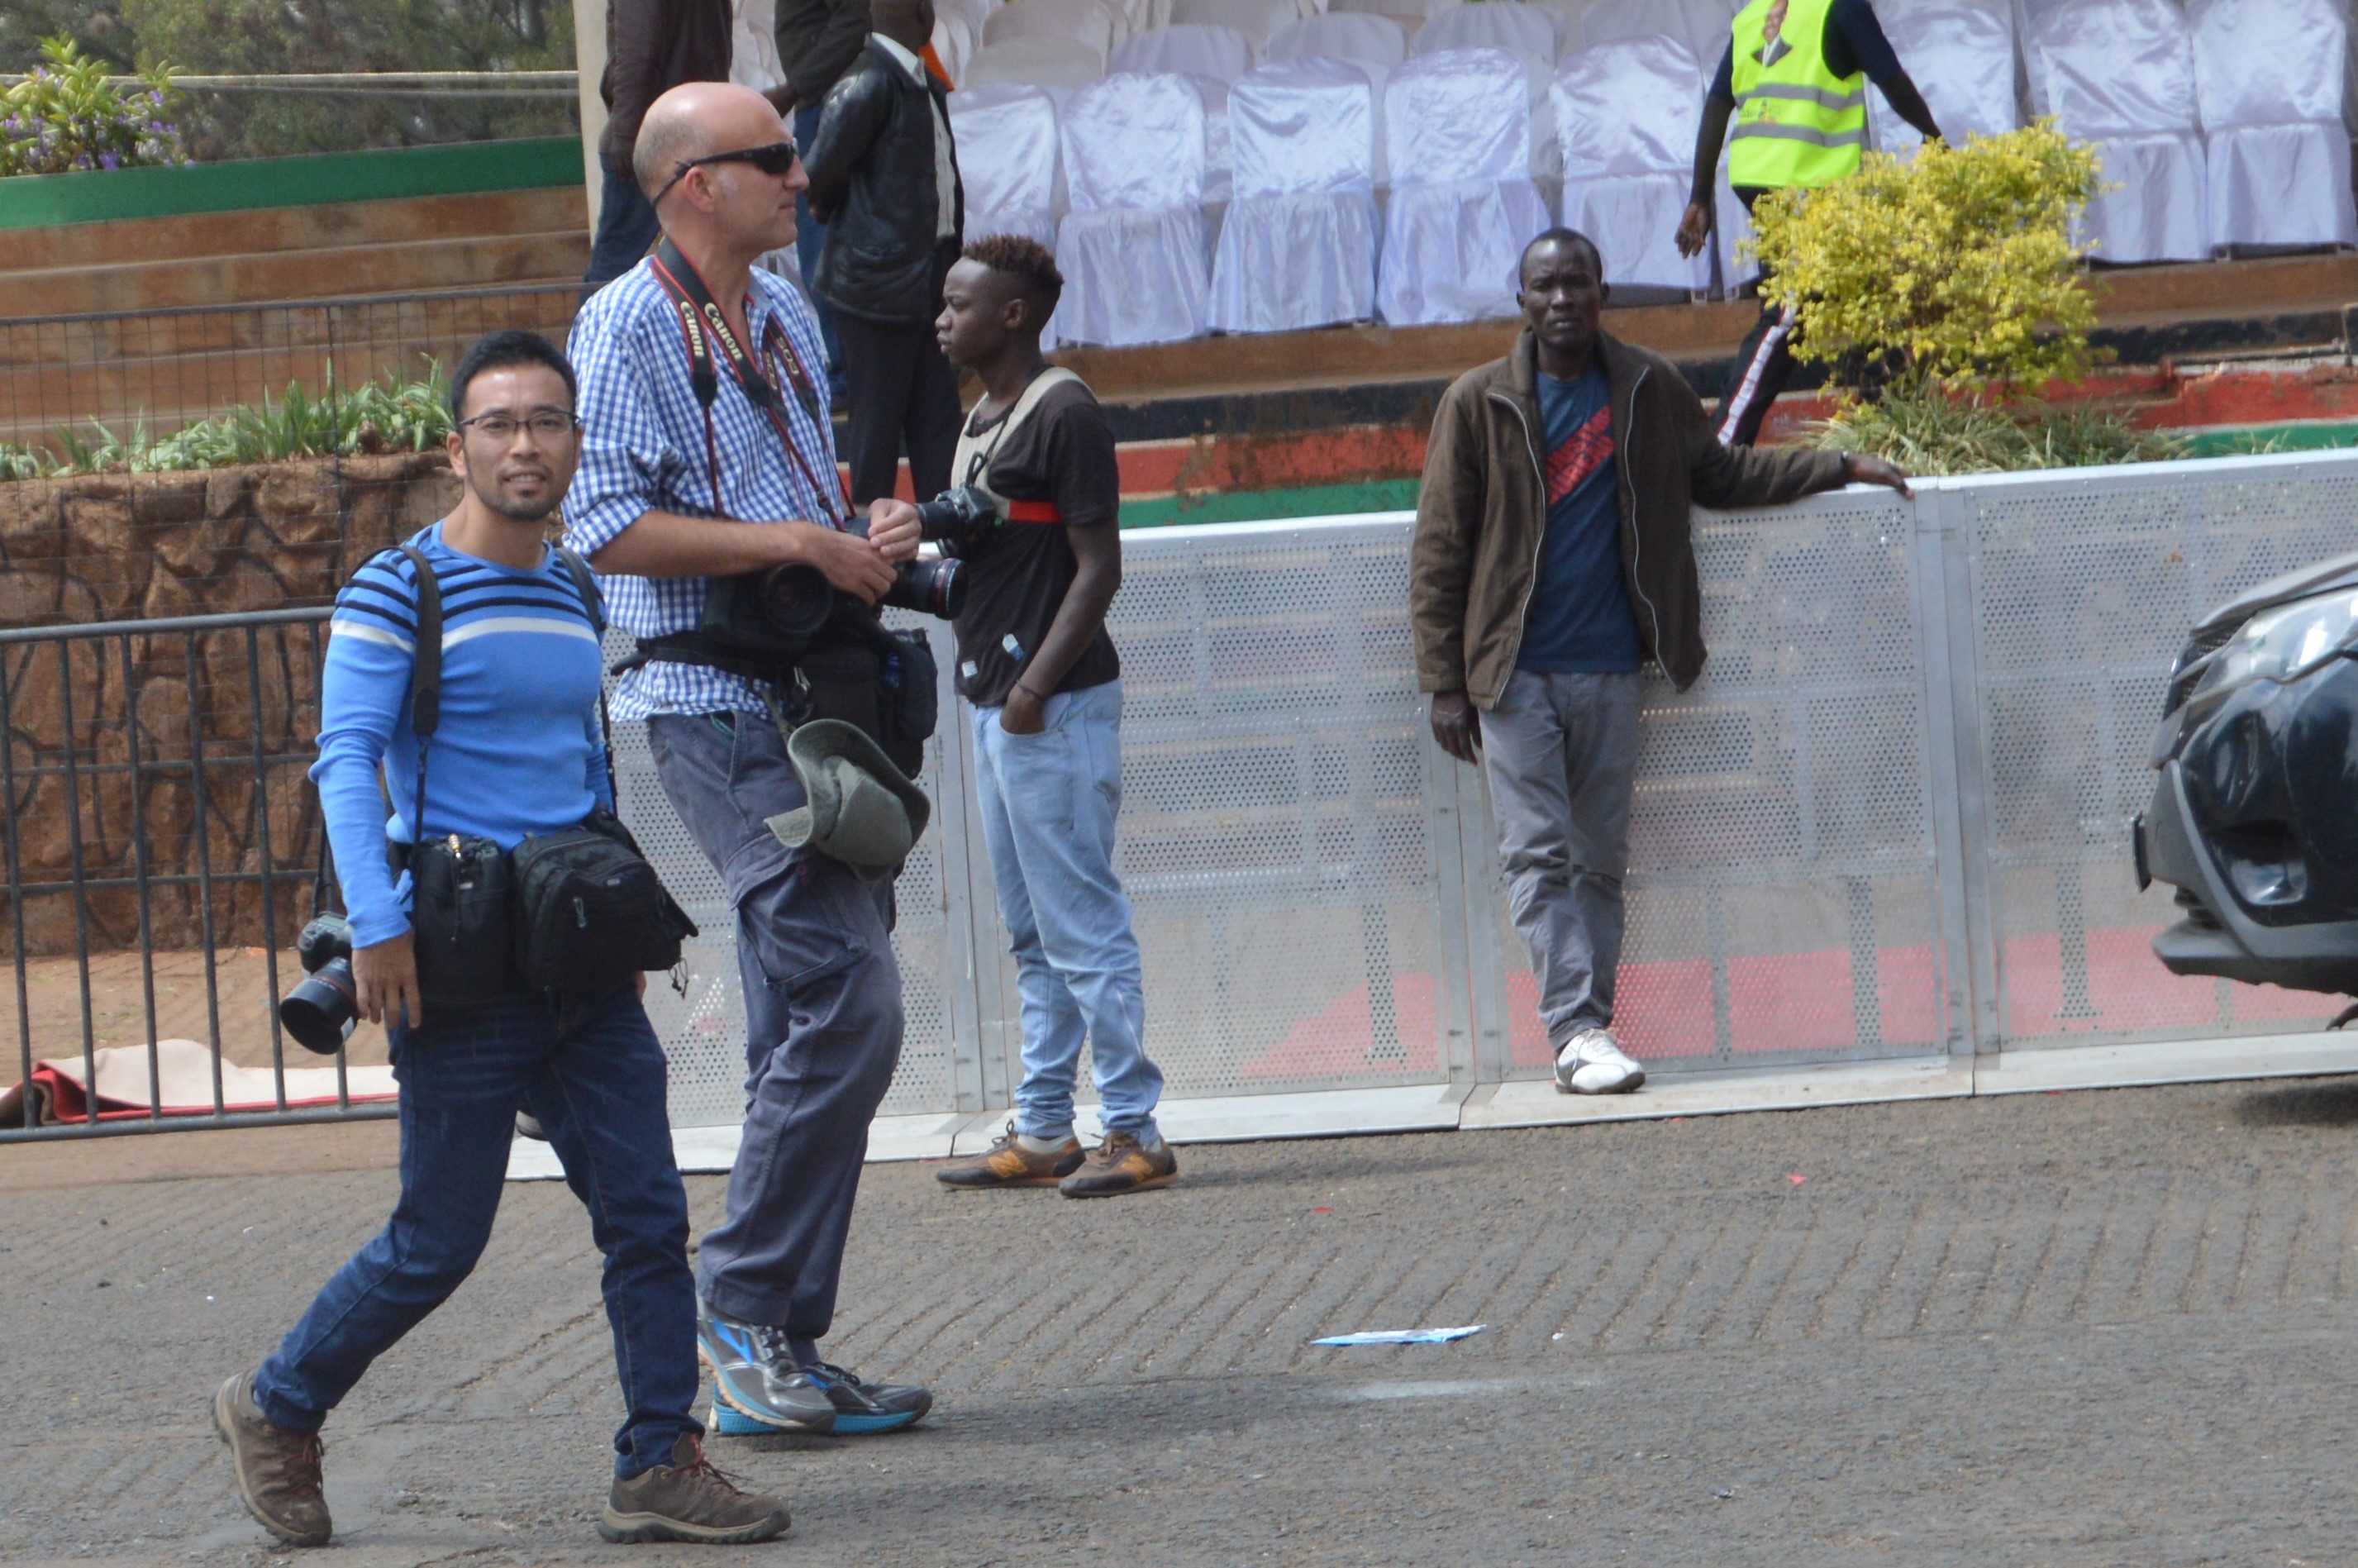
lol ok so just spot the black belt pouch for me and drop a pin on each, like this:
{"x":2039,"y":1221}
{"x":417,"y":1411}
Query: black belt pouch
{"x":461,"y":898}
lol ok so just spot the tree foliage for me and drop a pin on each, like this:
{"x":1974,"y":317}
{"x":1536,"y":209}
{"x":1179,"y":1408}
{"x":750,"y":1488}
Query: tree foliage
{"x":66,"y":116}
{"x":1956,"y":266}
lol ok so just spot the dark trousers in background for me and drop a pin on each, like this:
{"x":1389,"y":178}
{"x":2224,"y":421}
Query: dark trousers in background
{"x":900,"y":390}
{"x":626,"y":229}
{"x":822,"y":1022}
{"x":810,"y":235}
{"x":595,"y":1078}
{"x":1764,"y":366}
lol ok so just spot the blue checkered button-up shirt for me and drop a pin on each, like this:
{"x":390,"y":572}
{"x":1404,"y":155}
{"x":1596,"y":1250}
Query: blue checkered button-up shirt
{"x":643,"y":449}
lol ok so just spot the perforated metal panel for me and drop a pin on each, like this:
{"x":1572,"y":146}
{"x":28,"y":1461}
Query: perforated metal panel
{"x":1278,"y":818}
{"x":1781,"y":895}
{"x":704,"y":1030}
{"x":2082,"y":592}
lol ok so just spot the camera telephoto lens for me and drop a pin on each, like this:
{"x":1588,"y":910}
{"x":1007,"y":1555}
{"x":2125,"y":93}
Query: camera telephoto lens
{"x":929,"y":588}
{"x":796,"y":601}
{"x":321,"y":1011}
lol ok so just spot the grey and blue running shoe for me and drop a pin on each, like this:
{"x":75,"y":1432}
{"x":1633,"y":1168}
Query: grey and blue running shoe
{"x":754,"y":1375}
{"x":861,"y":1406}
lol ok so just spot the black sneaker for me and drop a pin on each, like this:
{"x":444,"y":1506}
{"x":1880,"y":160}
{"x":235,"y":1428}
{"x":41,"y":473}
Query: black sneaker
{"x":861,"y":1406}
{"x":755,"y":1374}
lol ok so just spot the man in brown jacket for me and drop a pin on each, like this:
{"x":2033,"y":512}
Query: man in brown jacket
{"x":1553,"y":558}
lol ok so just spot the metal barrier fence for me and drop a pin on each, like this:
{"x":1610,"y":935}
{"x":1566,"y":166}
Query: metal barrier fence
{"x":1890,"y":821}
{"x":159,"y":370}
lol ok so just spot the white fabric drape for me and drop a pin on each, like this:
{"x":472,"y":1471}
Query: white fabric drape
{"x":1256,"y":19}
{"x":1298,"y":248}
{"x":2120,"y":73}
{"x":1089,"y":22}
{"x":1059,"y":65}
{"x":2271,"y":78}
{"x":1190,"y":48}
{"x":1961,"y":55}
{"x":1625,"y":118}
{"x":1457,"y":129}
{"x":1132,"y":249}
{"x":1704,"y":26}
{"x":953,"y":44}
{"x":1375,"y":44}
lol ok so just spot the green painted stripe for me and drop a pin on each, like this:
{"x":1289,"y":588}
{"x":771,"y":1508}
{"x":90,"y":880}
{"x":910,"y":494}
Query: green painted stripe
{"x":2294,"y":435}
{"x":1267,"y":505}
{"x":30,"y":202}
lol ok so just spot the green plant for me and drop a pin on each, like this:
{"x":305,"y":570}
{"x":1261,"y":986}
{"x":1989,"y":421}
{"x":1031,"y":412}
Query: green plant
{"x":1954,"y":266}
{"x":1927,"y":429}
{"x":66,"y":116}
{"x":384,"y":416}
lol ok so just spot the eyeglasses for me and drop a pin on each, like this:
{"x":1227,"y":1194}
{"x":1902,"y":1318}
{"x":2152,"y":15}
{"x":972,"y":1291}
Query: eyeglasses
{"x":774,"y":159}
{"x":547,"y":426}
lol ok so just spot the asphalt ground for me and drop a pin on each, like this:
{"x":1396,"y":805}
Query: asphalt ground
{"x":2108,"y":1328}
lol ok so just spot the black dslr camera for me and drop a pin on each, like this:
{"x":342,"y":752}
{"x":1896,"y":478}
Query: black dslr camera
{"x":321,"y":1011}
{"x":933,"y":588}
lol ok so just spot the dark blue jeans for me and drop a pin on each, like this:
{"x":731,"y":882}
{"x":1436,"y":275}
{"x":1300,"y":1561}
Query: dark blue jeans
{"x":626,"y":228}
{"x":595,"y":1078}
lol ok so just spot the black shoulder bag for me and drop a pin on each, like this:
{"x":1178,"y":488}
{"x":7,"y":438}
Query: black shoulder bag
{"x":577,"y":909}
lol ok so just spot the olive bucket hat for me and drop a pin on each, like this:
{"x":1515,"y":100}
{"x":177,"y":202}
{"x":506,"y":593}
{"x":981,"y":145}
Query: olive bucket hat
{"x":863,"y":811}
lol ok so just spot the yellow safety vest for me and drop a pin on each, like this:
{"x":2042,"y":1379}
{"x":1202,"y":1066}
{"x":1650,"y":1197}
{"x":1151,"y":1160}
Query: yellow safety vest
{"x":1797,"y":123}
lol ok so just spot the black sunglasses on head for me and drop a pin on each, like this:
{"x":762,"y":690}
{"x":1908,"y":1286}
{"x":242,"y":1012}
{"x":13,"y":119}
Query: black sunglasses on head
{"x":774,"y":160}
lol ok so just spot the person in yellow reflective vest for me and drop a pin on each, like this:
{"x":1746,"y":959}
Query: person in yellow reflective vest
{"x":1794,"y":82}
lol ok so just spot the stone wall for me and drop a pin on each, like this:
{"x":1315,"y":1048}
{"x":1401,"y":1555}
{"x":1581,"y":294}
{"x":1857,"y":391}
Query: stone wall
{"x":227,"y":718}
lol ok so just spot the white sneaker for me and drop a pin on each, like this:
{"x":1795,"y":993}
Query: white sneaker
{"x":1591,"y":1064}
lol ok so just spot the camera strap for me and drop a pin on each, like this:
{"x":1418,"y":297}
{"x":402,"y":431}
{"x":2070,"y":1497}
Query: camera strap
{"x":970,"y":465}
{"x":702,"y":324}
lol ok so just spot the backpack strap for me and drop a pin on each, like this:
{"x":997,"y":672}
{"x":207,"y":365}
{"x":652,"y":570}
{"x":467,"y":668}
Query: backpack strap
{"x":593,"y":601}
{"x":425,"y":674}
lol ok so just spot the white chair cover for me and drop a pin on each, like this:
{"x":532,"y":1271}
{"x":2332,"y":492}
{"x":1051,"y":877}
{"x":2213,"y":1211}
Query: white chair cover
{"x":1393,"y":7}
{"x":1704,"y":26}
{"x":1057,"y":64}
{"x":1256,"y":19}
{"x":1961,"y":54}
{"x":1190,"y":48}
{"x":1457,"y":129}
{"x":2120,"y":73}
{"x":1007,"y":156}
{"x":953,"y":42}
{"x":1143,"y":15}
{"x":2270,"y":77}
{"x":753,"y":47}
{"x":1527,"y":32}
{"x":1089,"y":22}
{"x":974,"y":12}
{"x":1377,"y":43}
{"x":1131,"y":249}
{"x":1625,"y":117}
{"x":1298,"y":249}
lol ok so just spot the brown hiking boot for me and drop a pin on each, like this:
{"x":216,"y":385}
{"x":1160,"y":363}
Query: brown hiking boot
{"x":277,"y":1470}
{"x":1008,"y":1163}
{"x":687,"y":1500}
{"x":1120,"y":1166}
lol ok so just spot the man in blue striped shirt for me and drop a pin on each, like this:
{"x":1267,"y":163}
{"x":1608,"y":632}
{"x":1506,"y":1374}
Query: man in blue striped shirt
{"x":517,"y":751}
{"x":675,"y":492}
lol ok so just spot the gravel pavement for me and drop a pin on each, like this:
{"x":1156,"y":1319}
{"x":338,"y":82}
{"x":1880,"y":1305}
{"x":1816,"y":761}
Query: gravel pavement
{"x":2103,"y":1329}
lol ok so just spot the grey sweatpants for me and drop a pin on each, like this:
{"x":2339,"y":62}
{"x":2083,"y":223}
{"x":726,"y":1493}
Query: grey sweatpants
{"x":822,"y":1022}
{"x":1561,"y":753}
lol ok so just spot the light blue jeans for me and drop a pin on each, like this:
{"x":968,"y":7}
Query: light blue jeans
{"x":1048,"y":806}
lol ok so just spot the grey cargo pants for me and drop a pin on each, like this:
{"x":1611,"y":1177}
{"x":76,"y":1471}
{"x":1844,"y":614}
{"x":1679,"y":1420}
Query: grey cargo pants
{"x":1561,"y":753}
{"x":822,"y":1022}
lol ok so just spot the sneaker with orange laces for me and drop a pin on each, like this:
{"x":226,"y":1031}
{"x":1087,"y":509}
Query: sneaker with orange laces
{"x":1012,"y":1162}
{"x":1121,"y":1164}
{"x":277,"y":1470}
{"x":689,"y":1499}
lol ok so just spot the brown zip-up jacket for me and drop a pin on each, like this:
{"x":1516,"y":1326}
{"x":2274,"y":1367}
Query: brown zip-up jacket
{"x":1481,"y":516}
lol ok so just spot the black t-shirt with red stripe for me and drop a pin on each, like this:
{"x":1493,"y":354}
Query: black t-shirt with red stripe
{"x":1018,"y":573}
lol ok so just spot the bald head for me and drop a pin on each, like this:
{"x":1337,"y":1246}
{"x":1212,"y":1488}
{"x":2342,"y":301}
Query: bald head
{"x":696,"y":118}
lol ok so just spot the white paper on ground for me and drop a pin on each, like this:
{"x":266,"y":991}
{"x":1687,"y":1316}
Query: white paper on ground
{"x":1404,"y":1335}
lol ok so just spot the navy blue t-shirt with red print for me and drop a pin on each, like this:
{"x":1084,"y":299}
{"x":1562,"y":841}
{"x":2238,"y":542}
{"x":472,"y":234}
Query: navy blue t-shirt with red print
{"x":1580,"y":621}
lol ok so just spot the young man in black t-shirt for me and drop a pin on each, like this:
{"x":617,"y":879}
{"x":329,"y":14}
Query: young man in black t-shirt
{"x":1046,"y":683}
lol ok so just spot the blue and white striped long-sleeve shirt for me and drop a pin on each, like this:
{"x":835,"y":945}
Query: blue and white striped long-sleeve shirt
{"x":518,"y":749}
{"x":643,"y":449}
